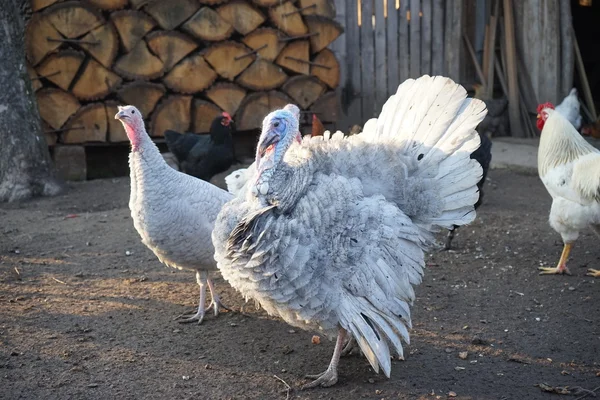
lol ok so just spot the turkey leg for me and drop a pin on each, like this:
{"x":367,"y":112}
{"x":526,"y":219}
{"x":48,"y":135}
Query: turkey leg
{"x":201,"y":278}
{"x":330,"y":376}
{"x":215,"y":301}
{"x":561,"y":268}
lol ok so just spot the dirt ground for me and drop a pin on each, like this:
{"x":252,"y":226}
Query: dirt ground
{"x":87,"y":312}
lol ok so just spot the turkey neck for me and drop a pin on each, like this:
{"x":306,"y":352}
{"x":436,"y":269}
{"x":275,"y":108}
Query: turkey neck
{"x":560,"y":144}
{"x":145,"y":161}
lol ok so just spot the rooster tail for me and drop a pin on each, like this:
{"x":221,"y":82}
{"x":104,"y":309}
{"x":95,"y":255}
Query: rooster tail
{"x":434,"y":123}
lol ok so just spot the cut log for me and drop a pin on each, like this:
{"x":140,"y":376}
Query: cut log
{"x":106,"y":44}
{"x":170,"y":47}
{"x":228,"y":96}
{"x":33,"y":77}
{"x":137,"y":4}
{"x":95,"y":82}
{"x":139,"y":63}
{"x":170,"y":14}
{"x":256,"y":106}
{"x":325,"y":8}
{"x":204,"y":113}
{"x":304,"y":90}
{"x":109,"y":5}
{"x":51,"y":137}
{"x":262,"y":75}
{"x":60,"y":68}
{"x":207,"y":24}
{"x":242,"y":16}
{"x":288,"y":19}
{"x":268,"y":3}
{"x":86,"y":125}
{"x":143,"y":95}
{"x":295,"y":57}
{"x":37,"y":5}
{"x":266,"y":42}
{"x":192,"y":75}
{"x":40,"y":38}
{"x":326,"y":67}
{"x":132,"y":26}
{"x":116,"y":133}
{"x":211,"y":2}
{"x":56,"y":106}
{"x":173,"y":113}
{"x":73,"y":18}
{"x":326,"y":107}
{"x":229,"y":59}
{"x":324,"y":31}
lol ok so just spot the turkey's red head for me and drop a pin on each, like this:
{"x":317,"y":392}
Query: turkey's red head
{"x":542,"y":115}
{"x":132,"y":121}
{"x":227,"y":120}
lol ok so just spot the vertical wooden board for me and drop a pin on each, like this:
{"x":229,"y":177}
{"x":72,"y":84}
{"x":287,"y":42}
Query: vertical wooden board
{"x":393,"y":66}
{"x":403,"y":47}
{"x":339,"y":50}
{"x":415,"y":38}
{"x":453,"y":39}
{"x":352,"y":92}
{"x":367,"y":60}
{"x":550,"y":44}
{"x":437,"y":38}
{"x":380,"y":71}
{"x":566,"y":48}
{"x":426,"y":37}
{"x":514,"y":113}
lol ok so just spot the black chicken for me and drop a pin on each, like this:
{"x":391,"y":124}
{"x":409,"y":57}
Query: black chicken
{"x":204,"y":156}
{"x":484,"y":156}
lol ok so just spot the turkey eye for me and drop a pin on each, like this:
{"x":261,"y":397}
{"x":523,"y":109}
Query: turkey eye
{"x":276,"y":124}
{"x":133,"y":111}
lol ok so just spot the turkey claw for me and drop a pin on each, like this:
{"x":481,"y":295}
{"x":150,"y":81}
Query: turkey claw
{"x":325,"y":379}
{"x":199,"y":316}
{"x":554,"y":271}
{"x":593,"y":272}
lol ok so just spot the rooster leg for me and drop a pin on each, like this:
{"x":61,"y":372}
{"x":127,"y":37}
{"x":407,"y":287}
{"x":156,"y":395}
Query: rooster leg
{"x":215,"y":301}
{"x":330,"y":376}
{"x":561,"y":268}
{"x":201,"y":277}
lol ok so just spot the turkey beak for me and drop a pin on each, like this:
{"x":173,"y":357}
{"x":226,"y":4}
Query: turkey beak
{"x":121,"y":115}
{"x":271,"y":140}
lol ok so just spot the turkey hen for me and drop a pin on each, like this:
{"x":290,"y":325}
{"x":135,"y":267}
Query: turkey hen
{"x":570,"y":109}
{"x":569,"y":167}
{"x":330,"y":231}
{"x":204,"y":156}
{"x":174,"y":213}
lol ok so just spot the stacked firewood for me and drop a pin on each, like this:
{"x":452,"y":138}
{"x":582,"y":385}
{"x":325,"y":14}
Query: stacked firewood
{"x":181,"y":62}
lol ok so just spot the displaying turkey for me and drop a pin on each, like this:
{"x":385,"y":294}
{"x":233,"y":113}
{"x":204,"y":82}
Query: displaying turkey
{"x":174,"y":213}
{"x":330,"y":232}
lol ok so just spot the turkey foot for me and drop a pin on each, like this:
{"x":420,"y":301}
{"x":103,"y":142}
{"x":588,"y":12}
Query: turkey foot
{"x":448,"y":244}
{"x":593,"y":272}
{"x":561,"y":268}
{"x":330,"y":376}
{"x":201,"y":277}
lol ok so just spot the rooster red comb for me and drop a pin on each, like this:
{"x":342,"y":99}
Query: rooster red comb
{"x":227,"y":118}
{"x":545,"y":105}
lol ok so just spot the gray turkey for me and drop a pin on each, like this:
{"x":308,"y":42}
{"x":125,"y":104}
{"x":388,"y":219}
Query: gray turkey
{"x":329,"y":233}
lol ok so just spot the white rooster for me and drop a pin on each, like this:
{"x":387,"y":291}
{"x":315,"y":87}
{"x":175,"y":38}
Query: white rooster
{"x":569,"y":167}
{"x":330,"y":232}
{"x":570,"y":108}
{"x":173,"y":212}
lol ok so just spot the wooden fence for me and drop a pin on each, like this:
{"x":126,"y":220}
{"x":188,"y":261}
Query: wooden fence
{"x":388,"y":41}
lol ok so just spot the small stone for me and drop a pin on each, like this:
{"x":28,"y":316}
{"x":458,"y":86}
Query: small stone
{"x":316,"y":339}
{"x":128,"y":253}
{"x":185,"y":377}
{"x":371,"y":380}
{"x":448,"y":350}
{"x":176,"y":330}
{"x":452,"y":394}
{"x":459,"y":368}
{"x":463,"y":355}
{"x":93,"y":385}
{"x":207,"y":366}
{"x":233,"y":324}
{"x":378,"y":391}
{"x":571,"y":288}
{"x":478,"y":340}
{"x":291,"y":331}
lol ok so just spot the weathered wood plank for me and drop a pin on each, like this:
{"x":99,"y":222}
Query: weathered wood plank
{"x":380,"y":71}
{"x":404,"y":48}
{"x":392,"y":47}
{"x":514,"y":113}
{"x":339,"y":49}
{"x":367,"y":60}
{"x":437,"y":38}
{"x":566,"y":48}
{"x":352,"y":92}
{"x":426,"y":36}
{"x":550,"y":58}
{"x":452,"y":45}
{"x":415,"y":39}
